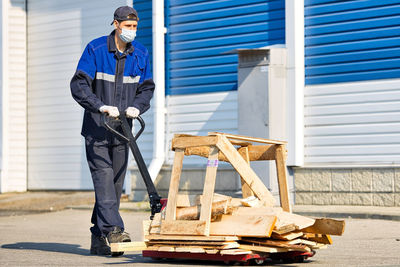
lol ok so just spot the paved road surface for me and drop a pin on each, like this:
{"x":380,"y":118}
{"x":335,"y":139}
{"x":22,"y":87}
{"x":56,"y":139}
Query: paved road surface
{"x":62,"y":239}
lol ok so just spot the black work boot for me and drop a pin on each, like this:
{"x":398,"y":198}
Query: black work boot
{"x":99,"y":246}
{"x":117,"y":236}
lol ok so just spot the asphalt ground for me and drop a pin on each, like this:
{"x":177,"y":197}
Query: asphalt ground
{"x":62,"y":239}
{"x":52,"y":229}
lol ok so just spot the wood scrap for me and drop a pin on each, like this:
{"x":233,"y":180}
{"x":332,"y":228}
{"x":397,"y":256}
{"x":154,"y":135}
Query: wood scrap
{"x":287,"y":236}
{"x":326,"y":226}
{"x":246,"y":225}
{"x":251,"y":201}
{"x":197,"y":238}
{"x":235,"y":252}
{"x":320,"y":238}
{"x":193,"y":212}
{"x":128,"y":246}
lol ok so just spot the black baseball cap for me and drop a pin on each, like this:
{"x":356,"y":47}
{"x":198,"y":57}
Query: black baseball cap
{"x":125,"y":13}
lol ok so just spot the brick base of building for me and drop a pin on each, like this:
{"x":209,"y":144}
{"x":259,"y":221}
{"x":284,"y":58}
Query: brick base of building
{"x":349,"y":186}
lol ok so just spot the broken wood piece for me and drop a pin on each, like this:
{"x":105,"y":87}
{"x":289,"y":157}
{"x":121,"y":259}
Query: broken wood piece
{"x":166,"y":249}
{"x":251,"y":201}
{"x":190,"y":249}
{"x":193,"y":213}
{"x":234,"y":252}
{"x":243,"y":225}
{"x":211,"y":251}
{"x":183,"y":227}
{"x":191,"y":243}
{"x":246,"y":190}
{"x":286,"y":237}
{"x":326,"y":226}
{"x":320,"y":238}
{"x":255,"y":153}
{"x":244,"y":170}
{"x":299,"y":221}
{"x":128,"y":246}
{"x":248,"y":138}
{"x":275,"y":243}
{"x":192,"y":238}
{"x":284,"y":228}
{"x":258,"y":248}
{"x":256,"y":210}
{"x":193,"y":141}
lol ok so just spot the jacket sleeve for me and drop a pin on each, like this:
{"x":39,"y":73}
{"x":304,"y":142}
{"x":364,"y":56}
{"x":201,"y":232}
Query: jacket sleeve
{"x":145,"y":89}
{"x":81,"y":83}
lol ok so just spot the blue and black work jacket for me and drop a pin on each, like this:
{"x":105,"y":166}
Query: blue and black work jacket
{"x":105,"y":76}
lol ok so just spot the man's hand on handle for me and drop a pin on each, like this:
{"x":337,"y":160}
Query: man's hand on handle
{"x":132,"y":112}
{"x":112,"y":111}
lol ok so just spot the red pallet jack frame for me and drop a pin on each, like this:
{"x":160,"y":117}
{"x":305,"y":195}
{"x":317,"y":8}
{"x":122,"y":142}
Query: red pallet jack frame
{"x":254,"y":258}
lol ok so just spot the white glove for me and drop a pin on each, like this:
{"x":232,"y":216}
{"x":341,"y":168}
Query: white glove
{"x":112,"y":111}
{"x":132,"y":112}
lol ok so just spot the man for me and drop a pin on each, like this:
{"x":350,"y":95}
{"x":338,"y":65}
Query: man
{"x":113,"y":76}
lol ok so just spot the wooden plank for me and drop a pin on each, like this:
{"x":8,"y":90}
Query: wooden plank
{"x":192,"y":238}
{"x":184,"y":200}
{"x":193,"y":212}
{"x":246,"y":190}
{"x":299,"y":221}
{"x":193,"y":243}
{"x":194,"y":141}
{"x":208,"y":191}
{"x":190,"y":249}
{"x":128,"y":246}
{"x":166,"y":249}
{"x":256,"y":153}
{"x":280,"y":162}
{"x":234,"y":252}
{"x":256,"y":210}
{"x":181,"y":227}
{"x":251,"y":201}
{"x":320,"y":238}
{"x":326,"y":226}
{"x":146,"y":227}
{"x":244,"y":225}
{"x":275,"y":243}
{"x":236,"y":143}
{"x":258,"y":248}
{"x":249,"y":176}
{"x":284,"y":228}
{"x":288,"y":236}
{"x":211,"y":251}
{"x":174,"y":185}
{"x":250,"y":139}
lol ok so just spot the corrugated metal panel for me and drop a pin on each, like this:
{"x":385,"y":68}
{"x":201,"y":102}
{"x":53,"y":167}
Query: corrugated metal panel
{"x":198,"y":114}
{"x":353,"y":123}
{"x":17,"y":141}
{"x":144,"y":36}
{"x":200,"y":32}
{"x":351,"y":40}
{"x":57,"y":34}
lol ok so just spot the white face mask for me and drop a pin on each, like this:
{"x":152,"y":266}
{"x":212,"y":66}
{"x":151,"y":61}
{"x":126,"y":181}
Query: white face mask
{"x":127,"y":36}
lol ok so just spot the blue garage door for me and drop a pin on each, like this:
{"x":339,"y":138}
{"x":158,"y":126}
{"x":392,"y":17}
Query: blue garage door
{"x":351,"y":40}
{"x":200,"y":32}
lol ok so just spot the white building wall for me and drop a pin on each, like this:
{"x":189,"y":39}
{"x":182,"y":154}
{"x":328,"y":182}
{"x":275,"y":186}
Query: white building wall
{"x":351,"y":124}
{"x":57,"y":34}
{"x":14,"y":144}
{"x":198,"y":114}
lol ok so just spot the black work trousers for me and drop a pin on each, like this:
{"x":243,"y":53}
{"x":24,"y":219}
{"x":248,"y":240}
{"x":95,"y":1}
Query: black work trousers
{"x":107,"y":163}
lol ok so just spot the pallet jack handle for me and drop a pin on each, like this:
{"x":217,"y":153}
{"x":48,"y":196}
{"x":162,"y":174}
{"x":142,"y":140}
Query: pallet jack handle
{"x":154,"y":198}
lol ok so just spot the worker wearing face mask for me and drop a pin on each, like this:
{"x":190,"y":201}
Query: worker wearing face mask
{"x":113,"y":76}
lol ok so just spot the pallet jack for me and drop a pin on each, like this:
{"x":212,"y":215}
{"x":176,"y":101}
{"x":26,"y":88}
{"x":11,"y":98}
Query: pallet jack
{"x":157,"y":204}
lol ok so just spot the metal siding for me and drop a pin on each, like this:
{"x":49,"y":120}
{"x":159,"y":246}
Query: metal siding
{"x":57,"y":34}
{"x":200,"y":32}
{"x":353,"y":123}
{"x":351,"y":40}
{"x":17,"y":161}
{"x":198,"y":114}
{"x":145,"y":36}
